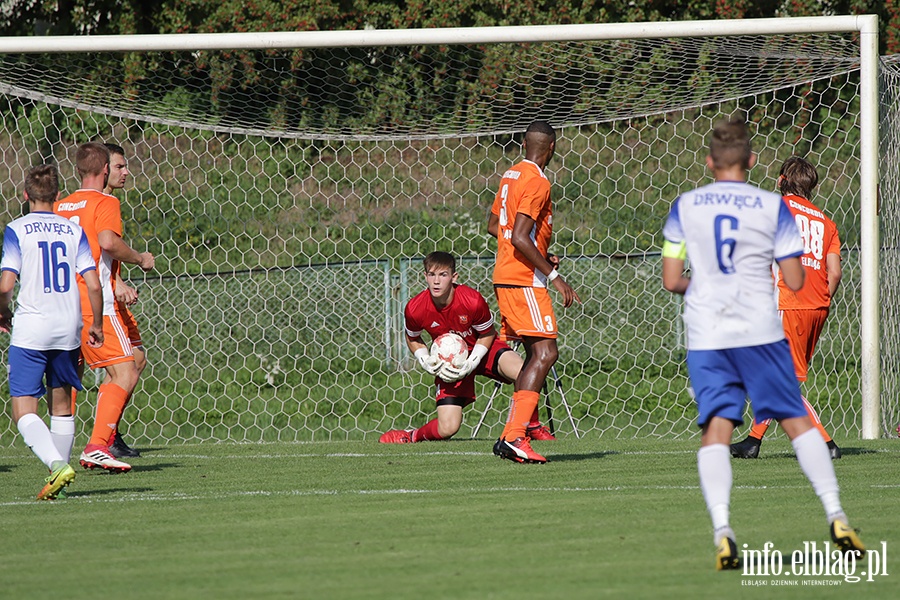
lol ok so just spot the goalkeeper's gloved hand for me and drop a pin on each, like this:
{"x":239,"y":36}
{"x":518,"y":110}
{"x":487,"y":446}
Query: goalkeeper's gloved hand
{"x":452,"y":374}
{"x":431,"y":364}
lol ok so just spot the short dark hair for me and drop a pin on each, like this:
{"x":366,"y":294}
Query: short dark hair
{"x":798,"y":177}
{"x":42,"y":183}
{"x":114,"y":148}
{"x":440,"y":259}
{"x":541,"y":127}
{"x":729,"y":144}
{"x":90,"y":158}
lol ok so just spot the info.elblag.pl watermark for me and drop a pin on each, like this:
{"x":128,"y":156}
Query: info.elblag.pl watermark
{"x":815,"y":564}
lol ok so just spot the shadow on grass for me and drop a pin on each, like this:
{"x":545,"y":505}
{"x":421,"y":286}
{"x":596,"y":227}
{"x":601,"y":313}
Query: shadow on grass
{"x":146,"y":450}
{"x":139,"y":468}
{"x":576,"y":457}
{"x":848,"y":451}
{"x":845,"y":451}
{"x":135,"y":468}
{"x":93,"y":493}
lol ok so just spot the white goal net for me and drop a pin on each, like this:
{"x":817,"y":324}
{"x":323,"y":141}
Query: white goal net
{"x":289,"y":195}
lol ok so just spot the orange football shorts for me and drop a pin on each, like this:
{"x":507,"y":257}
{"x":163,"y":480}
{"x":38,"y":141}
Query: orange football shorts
{"x":116,"y":347}
{"x":802,"y":329}
{"x":525,"y":312}
{"x":131,"y":326}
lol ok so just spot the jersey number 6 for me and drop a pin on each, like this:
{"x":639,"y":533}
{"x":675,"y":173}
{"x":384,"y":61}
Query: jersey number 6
{"x":725,"y":224}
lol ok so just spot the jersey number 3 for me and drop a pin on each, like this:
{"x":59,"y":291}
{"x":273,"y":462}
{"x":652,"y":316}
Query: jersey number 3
{"x":504,"y":217}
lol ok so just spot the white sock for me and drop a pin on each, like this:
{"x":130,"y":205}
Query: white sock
{"x":714,"y":466}
{"x":62,"y":429}
{"x":36,"y":435}
{"x":815,"y":460}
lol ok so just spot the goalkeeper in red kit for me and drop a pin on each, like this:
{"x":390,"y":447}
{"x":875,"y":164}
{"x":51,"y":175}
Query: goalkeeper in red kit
{"x":447,"y":306}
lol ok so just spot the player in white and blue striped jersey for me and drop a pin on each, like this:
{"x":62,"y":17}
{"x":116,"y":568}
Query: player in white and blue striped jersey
{"x":732,"y":232}
{"x":45,"y":253}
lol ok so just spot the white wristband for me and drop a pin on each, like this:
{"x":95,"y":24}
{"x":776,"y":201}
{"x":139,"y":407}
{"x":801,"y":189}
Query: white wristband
{"x":422,"y":353}
{"x":553,"y":275}
{"x":478,"y":352}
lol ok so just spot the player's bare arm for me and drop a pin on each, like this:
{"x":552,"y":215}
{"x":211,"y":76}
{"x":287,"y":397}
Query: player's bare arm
{"x":95,"y":296}
{"x":116,"y":247}
{"x":493,"y":225}
{"x":486,"y":338}
{"x":494,"y":229}
{"x":7,"y":283}
{"x":125,"y":294}
{"x":833,"y":272}
{"x":673,"y":276}
{"x":521,"y":241}
{"x":792,"y":272}
{"x":416,"y":343}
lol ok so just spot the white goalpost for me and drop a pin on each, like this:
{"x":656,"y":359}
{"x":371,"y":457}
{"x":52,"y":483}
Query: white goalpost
{"x":291,"y":182}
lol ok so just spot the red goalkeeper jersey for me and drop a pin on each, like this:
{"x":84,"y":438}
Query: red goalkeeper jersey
{"x":467,"y":315}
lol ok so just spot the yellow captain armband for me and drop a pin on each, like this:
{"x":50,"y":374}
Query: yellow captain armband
{"x":673,"y":250}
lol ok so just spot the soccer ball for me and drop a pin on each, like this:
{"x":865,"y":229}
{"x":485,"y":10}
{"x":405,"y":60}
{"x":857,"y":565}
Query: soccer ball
{"x":450,"y":348}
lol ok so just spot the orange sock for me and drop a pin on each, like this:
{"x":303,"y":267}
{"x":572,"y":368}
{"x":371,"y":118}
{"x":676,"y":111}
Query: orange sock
{"x":759,"y":429}
{"x":74,"y":397}
{"x":524,"y":403}
{"x":111,"y":401}
{"x":814,"y":417}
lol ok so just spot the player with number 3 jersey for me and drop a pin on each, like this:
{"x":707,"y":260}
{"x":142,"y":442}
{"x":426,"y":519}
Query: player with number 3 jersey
{"x":522,"y":220}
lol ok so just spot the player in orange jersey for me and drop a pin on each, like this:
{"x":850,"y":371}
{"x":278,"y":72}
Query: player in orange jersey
{"x":100,"y":216}
{"x":522,"y":220}
{"x":126,"y":296}
{"x":803,"y":313}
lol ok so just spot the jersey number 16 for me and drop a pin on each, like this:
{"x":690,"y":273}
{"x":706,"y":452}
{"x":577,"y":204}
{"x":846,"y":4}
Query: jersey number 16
{"x":57,"y":276}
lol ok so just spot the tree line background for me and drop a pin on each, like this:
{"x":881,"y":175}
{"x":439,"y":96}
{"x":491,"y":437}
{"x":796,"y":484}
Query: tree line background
{"x":97,"y":17}
{"x":384,"y":91}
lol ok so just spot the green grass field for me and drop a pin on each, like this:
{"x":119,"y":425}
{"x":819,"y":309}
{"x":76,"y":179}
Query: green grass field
{"x":605,"y":519}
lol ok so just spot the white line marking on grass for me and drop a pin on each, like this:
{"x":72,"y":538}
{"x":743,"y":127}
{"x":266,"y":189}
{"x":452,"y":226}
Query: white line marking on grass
{"x":86,"y":497}
{"x":401,"y":491}
{"x":322,"y":455}
{"x":163,"y":455}
{"x":381,"y":455}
